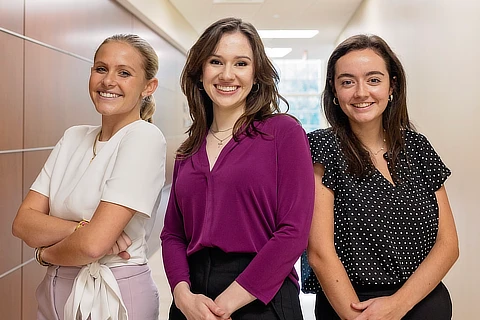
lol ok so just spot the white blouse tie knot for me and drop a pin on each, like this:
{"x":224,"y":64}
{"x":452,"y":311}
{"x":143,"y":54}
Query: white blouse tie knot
{"x":95,"y":293}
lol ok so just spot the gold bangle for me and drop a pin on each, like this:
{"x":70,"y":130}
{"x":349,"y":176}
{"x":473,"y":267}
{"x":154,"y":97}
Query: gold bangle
{"x":38,"y":257}
{"x":81,"y":224}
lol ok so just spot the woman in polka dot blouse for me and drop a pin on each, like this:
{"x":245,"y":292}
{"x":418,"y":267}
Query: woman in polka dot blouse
{"x":383,"y":234}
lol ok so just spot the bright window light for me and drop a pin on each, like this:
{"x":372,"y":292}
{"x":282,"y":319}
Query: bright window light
{"x":284,"y":34}
{"x":277,"y":52}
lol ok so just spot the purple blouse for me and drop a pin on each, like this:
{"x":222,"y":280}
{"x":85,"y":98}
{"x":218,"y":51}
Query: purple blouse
{"x":258,"y":198}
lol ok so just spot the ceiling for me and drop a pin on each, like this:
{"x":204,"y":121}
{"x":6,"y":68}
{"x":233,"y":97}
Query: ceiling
{"x":328,"y":16}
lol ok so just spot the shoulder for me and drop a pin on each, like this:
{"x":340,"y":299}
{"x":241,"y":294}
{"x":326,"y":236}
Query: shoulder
{"x":321,"y":134}
{"x":145,"y":131}
{"x":281,"y":121}
{"x":415,"y":140}
{"x":80,"y":130}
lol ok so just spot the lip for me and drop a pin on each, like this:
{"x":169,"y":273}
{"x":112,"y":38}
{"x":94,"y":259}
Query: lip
{"x":108,"y":95}
{"x":227,"y":89}
{"x":362,"y":105}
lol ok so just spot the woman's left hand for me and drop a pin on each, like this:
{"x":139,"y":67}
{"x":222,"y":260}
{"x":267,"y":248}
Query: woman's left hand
{"x":120,"y":246}
{"x":384,"y":308}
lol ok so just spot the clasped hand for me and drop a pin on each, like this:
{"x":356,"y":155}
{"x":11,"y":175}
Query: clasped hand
{"x":381,"y":308}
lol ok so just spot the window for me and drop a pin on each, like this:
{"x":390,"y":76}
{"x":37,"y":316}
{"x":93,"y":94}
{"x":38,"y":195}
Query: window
{"x":301,"y":84}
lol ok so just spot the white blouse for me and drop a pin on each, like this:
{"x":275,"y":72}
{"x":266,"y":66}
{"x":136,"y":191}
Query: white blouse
{"x":129,"y":170}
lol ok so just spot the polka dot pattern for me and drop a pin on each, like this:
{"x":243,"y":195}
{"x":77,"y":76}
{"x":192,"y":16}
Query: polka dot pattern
{"x":382,"y":231}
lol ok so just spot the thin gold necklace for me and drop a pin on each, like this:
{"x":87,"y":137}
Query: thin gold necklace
{"x":220,"y":141}
{"x":221,"y":130}
{"x":94,"y":148}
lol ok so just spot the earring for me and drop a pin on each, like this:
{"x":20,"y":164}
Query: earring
{"x":390,"y":98}
{"x":200,"y":85}
{"x":255,"y":87}
{"x":335,"y":101}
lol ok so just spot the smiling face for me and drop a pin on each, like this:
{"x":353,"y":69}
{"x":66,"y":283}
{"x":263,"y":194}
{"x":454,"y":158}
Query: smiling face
{"x":228,"y":74}
{"x":117,"y":82}
{"x":362,"y":86}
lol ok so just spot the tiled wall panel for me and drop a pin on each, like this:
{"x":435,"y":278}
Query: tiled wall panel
{"x":11,"y":15}
{"x":11,"y":91}
{"x":56,"y":95}
{"x":75,"y":26}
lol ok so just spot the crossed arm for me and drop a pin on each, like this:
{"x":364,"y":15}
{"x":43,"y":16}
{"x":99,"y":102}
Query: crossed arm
{"x":334,"y":279}
{"x":65,"y":246}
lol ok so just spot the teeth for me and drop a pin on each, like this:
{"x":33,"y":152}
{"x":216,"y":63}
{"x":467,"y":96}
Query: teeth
{"x":229,"y":88}
{"x":362,"y":105}
{"x":109,"y":95}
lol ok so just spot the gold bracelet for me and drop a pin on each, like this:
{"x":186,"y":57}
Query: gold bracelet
{"x":38,"y":257}
{"x":81,"y":224}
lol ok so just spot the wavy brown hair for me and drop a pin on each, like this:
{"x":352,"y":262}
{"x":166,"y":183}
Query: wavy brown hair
{"x":394,"y":119}
{"x":260,"y":104}
{"x":150,"y":67}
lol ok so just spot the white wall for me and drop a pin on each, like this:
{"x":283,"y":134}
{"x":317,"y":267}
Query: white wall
{"x":438,"y":43}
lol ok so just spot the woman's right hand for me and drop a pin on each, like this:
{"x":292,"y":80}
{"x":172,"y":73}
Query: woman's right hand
{"x":120,"y":246}
{"x":196,"y":306}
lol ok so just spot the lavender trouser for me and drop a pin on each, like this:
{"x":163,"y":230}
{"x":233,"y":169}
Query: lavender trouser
{"x":139,"y":292}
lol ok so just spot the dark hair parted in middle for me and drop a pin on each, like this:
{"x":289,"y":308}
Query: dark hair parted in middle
{"x":260,"y":104}
{"x":394,"y":118}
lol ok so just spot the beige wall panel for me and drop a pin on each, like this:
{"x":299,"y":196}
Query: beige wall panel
{"x":75,"y":26}
{"x":10,"y":199}
{"x":56,"y":95}
{"x":10,"y":293}
{"x":11,"y":15}
{"x":11,"y":91}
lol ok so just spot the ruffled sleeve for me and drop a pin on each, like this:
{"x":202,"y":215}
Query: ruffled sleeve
{"x":325,"y":150}
{"x":432,"y":168}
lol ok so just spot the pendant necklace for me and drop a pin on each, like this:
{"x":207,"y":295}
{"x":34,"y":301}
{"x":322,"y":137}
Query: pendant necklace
{"x":381,"y":149}
{"x":220,"y":141}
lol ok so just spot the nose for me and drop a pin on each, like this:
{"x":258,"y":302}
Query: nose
{"x":108,"y":79}
{"x":361,"y":90}
{"x":227,"y":73}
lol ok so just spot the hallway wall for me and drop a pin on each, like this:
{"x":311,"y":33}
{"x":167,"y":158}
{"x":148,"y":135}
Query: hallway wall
{"x":437,"y":41}
{"x":46,"y":52}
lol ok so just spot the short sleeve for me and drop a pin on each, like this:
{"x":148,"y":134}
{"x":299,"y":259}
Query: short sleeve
{"x":325,"y":150}
{"x":42,"y":183}
{"x":432,"y":166}
{"x":139,"y":171}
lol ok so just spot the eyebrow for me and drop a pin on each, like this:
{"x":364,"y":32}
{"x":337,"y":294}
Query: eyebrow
{"x":236,"y":57}
{"x":370,"y":73}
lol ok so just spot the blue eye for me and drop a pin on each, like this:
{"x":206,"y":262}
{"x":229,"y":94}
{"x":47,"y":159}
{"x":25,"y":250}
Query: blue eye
{"x":100,"y":69}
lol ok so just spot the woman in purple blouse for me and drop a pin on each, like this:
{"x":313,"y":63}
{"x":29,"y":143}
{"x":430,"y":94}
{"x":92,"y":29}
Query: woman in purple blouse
{"x":242,"y":196}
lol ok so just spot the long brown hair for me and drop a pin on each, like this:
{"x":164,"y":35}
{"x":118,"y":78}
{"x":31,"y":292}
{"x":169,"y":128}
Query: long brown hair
{"x":394,"y":119}
{"x":150,"y":67}
{"x":260,"y":104}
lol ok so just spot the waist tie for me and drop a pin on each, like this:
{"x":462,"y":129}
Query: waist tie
{"x":95,"y":293}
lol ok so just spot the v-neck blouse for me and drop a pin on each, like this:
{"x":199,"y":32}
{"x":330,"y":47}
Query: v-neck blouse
{"x":258,"y":198}
{"x":382,"y":231}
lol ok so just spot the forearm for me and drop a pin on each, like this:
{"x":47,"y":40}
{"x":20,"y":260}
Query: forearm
{"x":37,"y":229}
{"x":428,"y":275}
{"x":71,"y":251}
{"x":337,"y":286}
{"x":233,"y":298}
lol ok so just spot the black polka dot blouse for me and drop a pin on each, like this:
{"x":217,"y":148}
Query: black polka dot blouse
{"x":382,"y":231}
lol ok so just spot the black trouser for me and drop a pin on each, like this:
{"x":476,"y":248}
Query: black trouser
{"x":436,"y":306}
{"x":212,"y":271}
